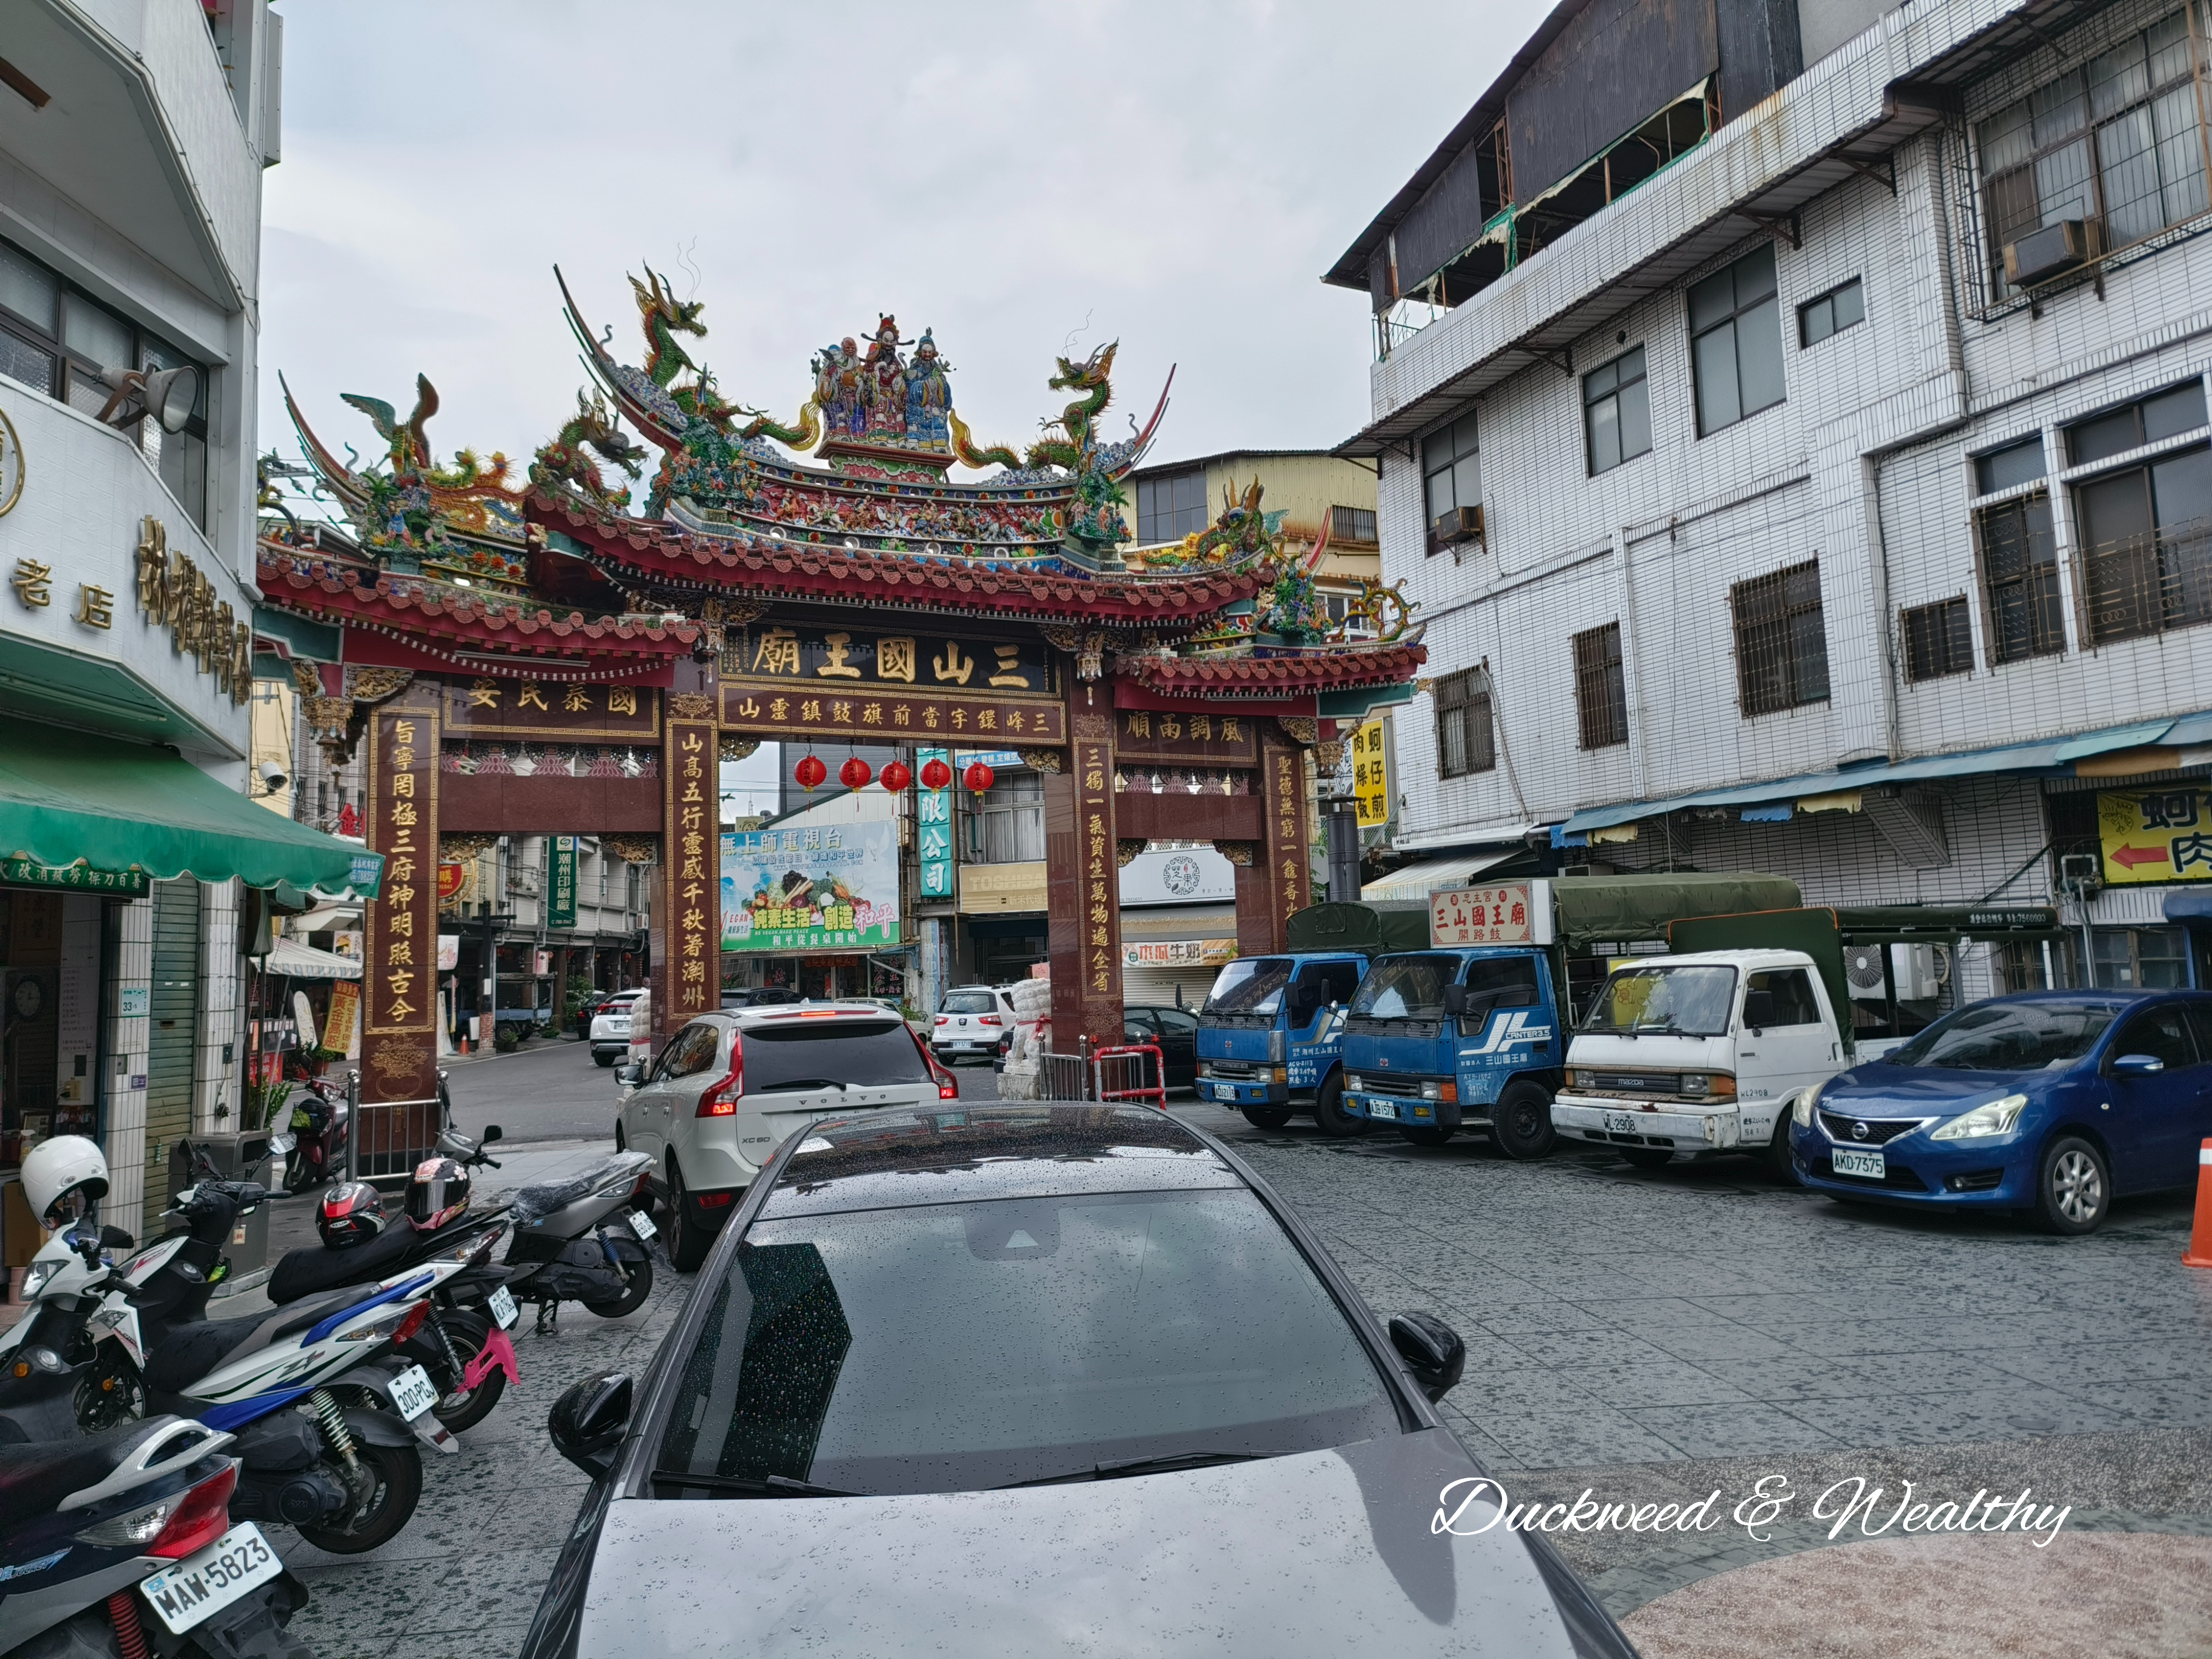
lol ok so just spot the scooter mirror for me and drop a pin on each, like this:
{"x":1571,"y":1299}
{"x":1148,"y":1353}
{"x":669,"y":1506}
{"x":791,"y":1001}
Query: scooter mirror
{"x":491,"y":1133}
{"x":115,"y":1238}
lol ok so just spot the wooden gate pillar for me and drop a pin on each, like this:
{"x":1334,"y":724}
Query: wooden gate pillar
{"x":1082,"y":877}
{"x":1277,"y":886}
{"x":687,"y":911}
{"x":399,"y":966}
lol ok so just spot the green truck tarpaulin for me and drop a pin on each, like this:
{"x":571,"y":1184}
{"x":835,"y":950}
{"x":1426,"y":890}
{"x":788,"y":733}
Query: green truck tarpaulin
{"x":67,"y":798}
{"x":1590,"y":911}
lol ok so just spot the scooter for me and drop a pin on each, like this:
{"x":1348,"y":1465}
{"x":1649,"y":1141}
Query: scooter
{"x":315,"y":1148}
{"x":569,"y":1240}
{"x":113,"y":1546}
{"x":327,"y":1421}
{"x":45,"y":1355}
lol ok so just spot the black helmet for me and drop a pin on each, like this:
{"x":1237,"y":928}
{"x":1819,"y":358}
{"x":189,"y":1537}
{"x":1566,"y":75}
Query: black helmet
{"x":350,"y":1213}
{"x":436,"y":1192}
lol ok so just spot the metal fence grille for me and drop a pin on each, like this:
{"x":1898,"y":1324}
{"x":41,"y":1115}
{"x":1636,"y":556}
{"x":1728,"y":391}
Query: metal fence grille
{"x":1466,"y":741}
{"x":2019,"y":572}
{"x":1781,"y":640}
{"x":2148,"y":583}
{"x":1600,"y":689}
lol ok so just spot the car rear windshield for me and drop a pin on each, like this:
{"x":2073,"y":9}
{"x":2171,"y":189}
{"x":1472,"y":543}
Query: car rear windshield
{"x":954,"y":1348}
{"x":1406,"y":987}
{"x":803,"y":1053}
{"x":1693,"y":1000}
{"x":969,"y":1002}
{"x":2008,"y":1037}
{"x":1252,"y":984}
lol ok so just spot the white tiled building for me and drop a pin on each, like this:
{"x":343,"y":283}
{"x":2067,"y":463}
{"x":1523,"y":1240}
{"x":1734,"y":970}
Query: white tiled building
{"x":133,"y":135}
{"x":1807,"y":542}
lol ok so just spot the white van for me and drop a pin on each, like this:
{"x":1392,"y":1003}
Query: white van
{"x":1695,"y":1055}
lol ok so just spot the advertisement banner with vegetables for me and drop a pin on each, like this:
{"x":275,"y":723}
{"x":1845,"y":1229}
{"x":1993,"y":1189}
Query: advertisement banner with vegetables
{"x":824,"y":887}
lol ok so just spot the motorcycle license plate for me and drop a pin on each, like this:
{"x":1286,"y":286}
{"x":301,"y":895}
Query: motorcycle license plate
{"x":1380,"y":1108}
{"x":413,"y":1392}
{"x":641,"y":1225}
{"x":502,"y":1307}
{"x":206,"y":1583}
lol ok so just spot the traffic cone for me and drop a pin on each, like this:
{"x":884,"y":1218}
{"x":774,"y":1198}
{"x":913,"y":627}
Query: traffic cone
{"x":2200,"y":1232}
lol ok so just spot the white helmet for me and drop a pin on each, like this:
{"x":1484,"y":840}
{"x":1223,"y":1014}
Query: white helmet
{"x":64,"y":1167}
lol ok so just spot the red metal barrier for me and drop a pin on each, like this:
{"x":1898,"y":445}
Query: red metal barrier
{"x":1119,"y":1074}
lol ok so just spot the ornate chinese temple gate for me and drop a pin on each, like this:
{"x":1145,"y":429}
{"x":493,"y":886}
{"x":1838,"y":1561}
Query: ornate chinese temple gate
{"x":1172,"y":694}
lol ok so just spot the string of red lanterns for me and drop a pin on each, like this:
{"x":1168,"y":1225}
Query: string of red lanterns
{"x":856,"y":773}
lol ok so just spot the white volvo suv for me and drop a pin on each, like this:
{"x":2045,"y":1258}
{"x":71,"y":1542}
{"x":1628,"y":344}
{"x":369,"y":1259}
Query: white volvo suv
{"x":730,"y":1088}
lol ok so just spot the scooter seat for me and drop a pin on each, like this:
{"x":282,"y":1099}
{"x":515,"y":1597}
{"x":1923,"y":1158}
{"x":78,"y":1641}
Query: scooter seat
{"x":189,"y":1352}
{"x":316,"y":1267}
{"x":36,"y":1477}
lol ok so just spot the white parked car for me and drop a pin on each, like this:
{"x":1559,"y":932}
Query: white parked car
{"x":611,"y":1027}
{"x":730,"y":1088}
{"x":973,"y":1019}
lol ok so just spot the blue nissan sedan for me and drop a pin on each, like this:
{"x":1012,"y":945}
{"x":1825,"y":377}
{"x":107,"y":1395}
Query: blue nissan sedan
{"x":2048,"y":1102}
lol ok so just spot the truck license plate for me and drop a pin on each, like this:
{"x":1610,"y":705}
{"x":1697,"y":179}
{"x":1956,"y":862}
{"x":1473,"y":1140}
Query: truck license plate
{"x":1848,"y":1161}
{"x":413,"y":1393}
{"x":212,"y":1578}
{"x":1380,"y":1108}
{"x":1622,"y":1122}
{"x":1224,"y":1092}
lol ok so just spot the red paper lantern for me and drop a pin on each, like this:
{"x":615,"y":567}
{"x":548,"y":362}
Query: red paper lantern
{"x":936,"y":775}
{"x":978,"y":777}
{"x":855,"y":773}
{"x":896,"y":777}
{"x":811,"y":772}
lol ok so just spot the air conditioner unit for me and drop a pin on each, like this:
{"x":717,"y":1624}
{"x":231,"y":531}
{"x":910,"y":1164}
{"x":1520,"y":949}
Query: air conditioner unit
{"x":1918,"y":970}
{"x":2051,"y":251}
{"x":1462,"y":524}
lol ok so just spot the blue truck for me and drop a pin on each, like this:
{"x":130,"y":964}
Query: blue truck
{"x":1270,"y":1033}
{"x":1445,"y":1037}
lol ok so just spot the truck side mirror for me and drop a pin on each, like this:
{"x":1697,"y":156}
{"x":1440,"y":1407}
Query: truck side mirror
{"x":1759,"y":1009}
{"x":1455,"y":1001}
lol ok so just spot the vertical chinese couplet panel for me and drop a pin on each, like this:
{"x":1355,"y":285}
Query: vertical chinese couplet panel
{"x":1283,"y":775}
{"x":687,"y":977}
{"x":1083,"y":886}
{"x":400,"y":970}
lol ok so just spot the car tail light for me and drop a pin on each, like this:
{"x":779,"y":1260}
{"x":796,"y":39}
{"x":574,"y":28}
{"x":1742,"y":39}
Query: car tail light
{"x":948,"y":1086}
{"x":720,"y":1099}
{"x":944,"y":1019}
{"x":714,"y":1201}
{"x":987,"y":1020}
{"x":203,"y":1516}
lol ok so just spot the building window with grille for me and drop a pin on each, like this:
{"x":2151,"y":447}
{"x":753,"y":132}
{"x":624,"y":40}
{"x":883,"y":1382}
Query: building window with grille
{"x":62,"y":342}
{"x":1352,"y":524}
{"x":2145,"y":529}
{"x":2116,"y":142}
{"x":1007,"y":827}
{"x":1451,"y":480}
{"x":1781,"y":641}
{"x":1467,"y":740}
{"x":1735,"y":341}
{"x":1938,"y":639}
{"x":1170,"y":509}
{"x":2141,"y":959}
{"x":1617,"y":412}
{"x":1600,"y":689}
{"x":2019,"y":577}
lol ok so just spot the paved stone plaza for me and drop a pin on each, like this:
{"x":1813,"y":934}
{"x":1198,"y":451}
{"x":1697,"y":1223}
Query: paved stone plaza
{"x":1652,"y":1337}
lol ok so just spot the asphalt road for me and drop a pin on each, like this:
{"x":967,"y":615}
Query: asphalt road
{"x":553,"y":1091}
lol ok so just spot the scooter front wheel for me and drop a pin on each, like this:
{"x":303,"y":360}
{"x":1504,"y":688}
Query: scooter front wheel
{"x":397,"y":1473}
{"x":110,"y":1393}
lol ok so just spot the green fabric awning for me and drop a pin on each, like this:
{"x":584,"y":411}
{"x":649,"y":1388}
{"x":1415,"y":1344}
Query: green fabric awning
{"x":67,"y":799}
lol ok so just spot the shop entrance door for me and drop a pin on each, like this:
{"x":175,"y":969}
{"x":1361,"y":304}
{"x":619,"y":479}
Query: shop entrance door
{"x":169,"y":1042}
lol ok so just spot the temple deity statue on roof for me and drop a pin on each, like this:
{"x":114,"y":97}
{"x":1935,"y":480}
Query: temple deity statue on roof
{"x":928,"y":394}
{"x":883,"y":383}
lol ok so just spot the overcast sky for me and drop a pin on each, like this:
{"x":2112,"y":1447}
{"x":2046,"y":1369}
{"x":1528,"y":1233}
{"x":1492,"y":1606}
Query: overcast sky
{"x":1017,"y":177}
{"x":1176,"y":176}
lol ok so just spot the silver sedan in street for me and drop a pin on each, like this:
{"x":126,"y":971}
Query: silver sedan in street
{"x":1033,"y":1379}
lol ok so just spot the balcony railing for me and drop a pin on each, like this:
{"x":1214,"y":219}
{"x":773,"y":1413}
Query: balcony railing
{"x":2150,"y":583}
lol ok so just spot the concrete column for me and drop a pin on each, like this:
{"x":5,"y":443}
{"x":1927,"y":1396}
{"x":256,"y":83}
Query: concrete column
{"x":215,"y":1096}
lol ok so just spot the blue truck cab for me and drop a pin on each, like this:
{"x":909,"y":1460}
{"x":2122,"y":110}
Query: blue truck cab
{"x":1270,"y":1034}
{"x":1436,"y":1041}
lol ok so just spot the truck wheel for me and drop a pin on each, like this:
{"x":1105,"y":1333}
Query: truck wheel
{"x":1777,"y":1151}
{"x":1647,"y":1157}
{"x":1521,"y":1122}
{"x":1265,"y":1117}
{"x":1426,"y":1134}
{"x":1329,"y":1113}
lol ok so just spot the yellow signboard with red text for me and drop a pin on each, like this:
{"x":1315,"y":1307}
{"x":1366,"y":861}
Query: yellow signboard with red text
{"x":2154,"y":835}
